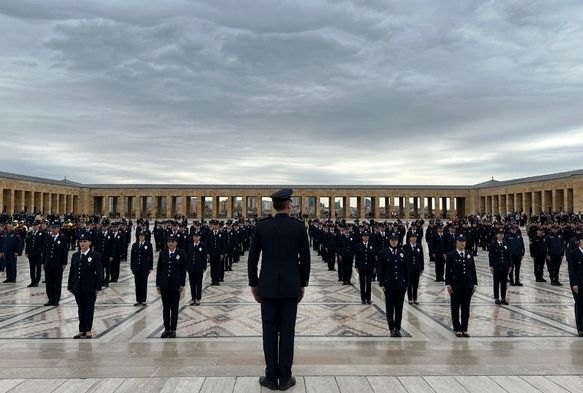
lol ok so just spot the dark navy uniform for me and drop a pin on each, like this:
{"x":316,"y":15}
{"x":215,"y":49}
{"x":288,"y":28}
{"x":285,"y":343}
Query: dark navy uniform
{"x":118,"y":245}
{"x":346,"y":252}
{"x":103,"y":244}
{"x":33,"y":250}
{"x":555,"y":249}
{"x":394,"y":279}
{"x":55,"y":255}
{"x":515,"y":244}
{"x":10,"y":246}
{"x":575,"y":261}
{"x":85,"y":279}
{"x":415,"y":266}
{"x":196,"y":264}
{"x":285,"y":270}
{"x":170,"y":278}
{"x":460,"y":275}
{"x":500,"y":262}
{"x":365,"y":263}
{"x":141,"y":263}
{"x":439,"y":248}
{"x":230,"y":248}
{"x":538,"y":254}
{"x":216,"y":251}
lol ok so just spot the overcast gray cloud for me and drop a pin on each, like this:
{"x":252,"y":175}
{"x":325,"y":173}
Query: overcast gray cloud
{"x":298,"y":91}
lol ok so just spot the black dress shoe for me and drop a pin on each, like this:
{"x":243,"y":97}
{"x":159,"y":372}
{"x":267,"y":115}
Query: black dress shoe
{"x":30,"y":285}
{"x":393,"y":333}
{"x":504,"y":302}
{"x":398,"y":333}
{"x":7,"y":280}
{"x":164,"y":334}
{"x":556,"y":283}
{"x":286,"y":385}
{"x":497,"y":302}
{"x":368,"y":302}
{"x":466,"y":334}
{"x":363,"y":301}
{"x":48,"y":304}
{"x":56,"y":304}
{"x":268,"y":383}
{"x":172,"y":334}
{"x":80,"y":335}
{"x":519,"y":284}
{"x":137,"y":304}
{"x":459,"y":334}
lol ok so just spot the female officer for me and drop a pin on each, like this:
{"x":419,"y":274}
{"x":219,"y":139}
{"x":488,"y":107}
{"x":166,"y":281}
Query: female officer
{"x":393,"y":278}
{"x":170,"y":280}
{"x":196,"y":264}
{"x":365,"y":263}
{"x":85,"y":279}
{"x":461,"y":282}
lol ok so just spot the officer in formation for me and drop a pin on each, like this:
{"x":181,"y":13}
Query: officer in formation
{"x":365,"y":262}
{"x":117,"y":250}
{"x":55,"y":258}
{"x":196,"y":265}
{"x":515,"y":244}
{"x":346,"y":253}
{"x":170,"y":281}
{"x":555,"y":249}
{"x":538,"y":253}
{"x":216,"y":251}
{"x":85,"y":279}
{"x":415,"y":266}
{"x":575,"y":262}
{"x":33,"y":251}
{"x":500,"y":262}
{"x":141,"y":264}
{"x":103,"y":244}
{"x":461,"y":282}
{"x":10,"y":248}
{"x":440,"y":248}
{"x":285,"y":270}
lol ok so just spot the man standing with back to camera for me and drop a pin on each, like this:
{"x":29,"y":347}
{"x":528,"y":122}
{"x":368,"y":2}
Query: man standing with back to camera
{"x":285,"y":271}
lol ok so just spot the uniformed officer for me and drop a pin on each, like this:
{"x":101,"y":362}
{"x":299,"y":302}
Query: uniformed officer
{"x":575,"y":261}
{"x":461,"y":282}
{"x":555,"y":249}
{"x":141,"y":264}
{"x":365,"y":265}
{"x":439,"y":246}
{"x":104,"y":246}
{"x":10,"y":247}
{"x":85,"y":278}
{"x":118,"y":245}
{"x":33,"y":251}
{"x":538,"y":254}
{"x":393,"y":278}
{"x":196,"y":264}
{"x":55,"y":256}
{"x":170,"y":280}
{"x":415,"y":265}
{"x":216,"y":252}
{"x":346,"y":252}
{"x":515,"y":244}
{"x":285,"y":270}
{"x":499,"y":260}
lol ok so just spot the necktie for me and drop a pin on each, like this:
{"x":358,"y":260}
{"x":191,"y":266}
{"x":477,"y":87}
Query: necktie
{"x":461,"y":254}
{"x":171,"y":254}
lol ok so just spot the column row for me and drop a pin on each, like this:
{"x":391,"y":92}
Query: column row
{"x":531,"y":202}
{"x":22,"y":201}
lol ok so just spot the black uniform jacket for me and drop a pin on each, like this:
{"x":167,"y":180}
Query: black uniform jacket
{"x":86,"y":273}
{"x":392,"y":269}
{"x":171,"y":272}
{"x":196,"y":257}
{"x":285,"y":263}
{"x":142,"y":258}
{"x":460,"y":272}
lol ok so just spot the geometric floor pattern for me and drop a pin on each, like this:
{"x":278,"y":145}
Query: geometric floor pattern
{"x":341,"y":345}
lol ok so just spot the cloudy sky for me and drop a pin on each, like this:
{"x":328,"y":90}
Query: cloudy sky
{"x":298,"y":91}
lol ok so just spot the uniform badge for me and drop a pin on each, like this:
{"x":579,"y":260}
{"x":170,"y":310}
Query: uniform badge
{"x":401,"y":254}
{"x":468,"y":256}
{"x":109,"y":237}
{"x":220,"y":235}
{"x":58,"y":242}
{"x":145,"y":247}
{"x":200,"y":249}
{"x":89,"y":259}
{"x":505,"y":247}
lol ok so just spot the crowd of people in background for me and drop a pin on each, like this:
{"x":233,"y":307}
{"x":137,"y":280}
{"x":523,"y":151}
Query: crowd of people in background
{"x":390,"y":252}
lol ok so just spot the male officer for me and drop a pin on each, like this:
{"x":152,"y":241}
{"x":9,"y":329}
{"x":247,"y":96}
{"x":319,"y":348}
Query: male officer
{"x":346,"y":251}
{"x":439,"y":246}
{"x":555,"y":249}
{"x":230,"y":246}
{"x":461,"y":282}
{"x":285,"y":270}
{"x":415,"y":265}
{"x":10,"y":247}
{"x":575,"y":261}
{"x":33,"y":251}
{"x":170,"y":280}
{"x":216,"y":252}
{"x":104,"y":247}
{"x":55,"y":255}
{"x":365,"y":265}
{"x":196,"y":263}
{"x":499,"y":260}
{"x":85,"y":278}
{"x":119,"y":243}
{"x":538,"y":253}
{"x":393,"y":279}
{"x":515,"y":244}
{"x":142,"y":264}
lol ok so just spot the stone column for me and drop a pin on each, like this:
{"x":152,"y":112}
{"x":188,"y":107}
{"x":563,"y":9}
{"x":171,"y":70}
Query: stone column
{"x":10,"y":202}
{"x":377,"y":207}
{"x":138,"y":206}
{"x":1,"y":200}
{"x":361,"y":207}
{"x":305,"y":207}
{"x":346,"y":206}
{"x":105,"y":206}
{"x":317,"y":207}
{"x":215,"y":210}
{"x":121,"y":205}
{"x":406,"y":207}
{"x":332,"y":207}
{"x":566,"y":200}
{"x":230,"y":206}
{"x":154,"y":206}
{"x":199,"y":208}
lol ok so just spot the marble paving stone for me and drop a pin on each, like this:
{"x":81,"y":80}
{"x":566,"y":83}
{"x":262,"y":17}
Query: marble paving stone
{"x":321,"y":385}
{"x":106,"y":385}
{"x":573,"y":384}
{"x":415,"y":384}
{"x":386,"y":385}
{"x":218,"y":385}
{"x":354,"y":385}
{"x":514,"y":384}
{"x":183,"y":385}
{"x":544,"y":385}
{"x":479,"y":384}
{"x":76,"y":385}
{"x":445,"y":384}
{"x":7,"y":384}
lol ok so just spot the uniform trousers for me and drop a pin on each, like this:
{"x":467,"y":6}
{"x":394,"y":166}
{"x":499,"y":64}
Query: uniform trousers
{"x":106,"y":270}
{"x":554,"y":266}
{"x":215,"y":261}
{"x":500,"y":283}
{"x":278,"y":317}
{"x":460,"y":299}
{"x":115,"y":268}
{"x":539,"y":267}
{"x":195,"y":279}
{"x":394,"y":299}
{"x":365,"y":278}
{"x":579,"y":309}
{"x":229,"y":259}
{"x":35,"y":264}
{"x":141,"y":281}
{"x":413,"y":285}
{"x":331,"y":259}
{"x":515,"y":272}
{"x":86,"y":309}
{"x":170,"y":302}
{"x":10,"y":259}
{"x":347,"y":268}
{"x":439,"y":267}
{"x":54,"y":280}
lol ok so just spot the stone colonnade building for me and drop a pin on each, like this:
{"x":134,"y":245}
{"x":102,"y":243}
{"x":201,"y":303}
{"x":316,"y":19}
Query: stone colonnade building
{"x":554,"y":192}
